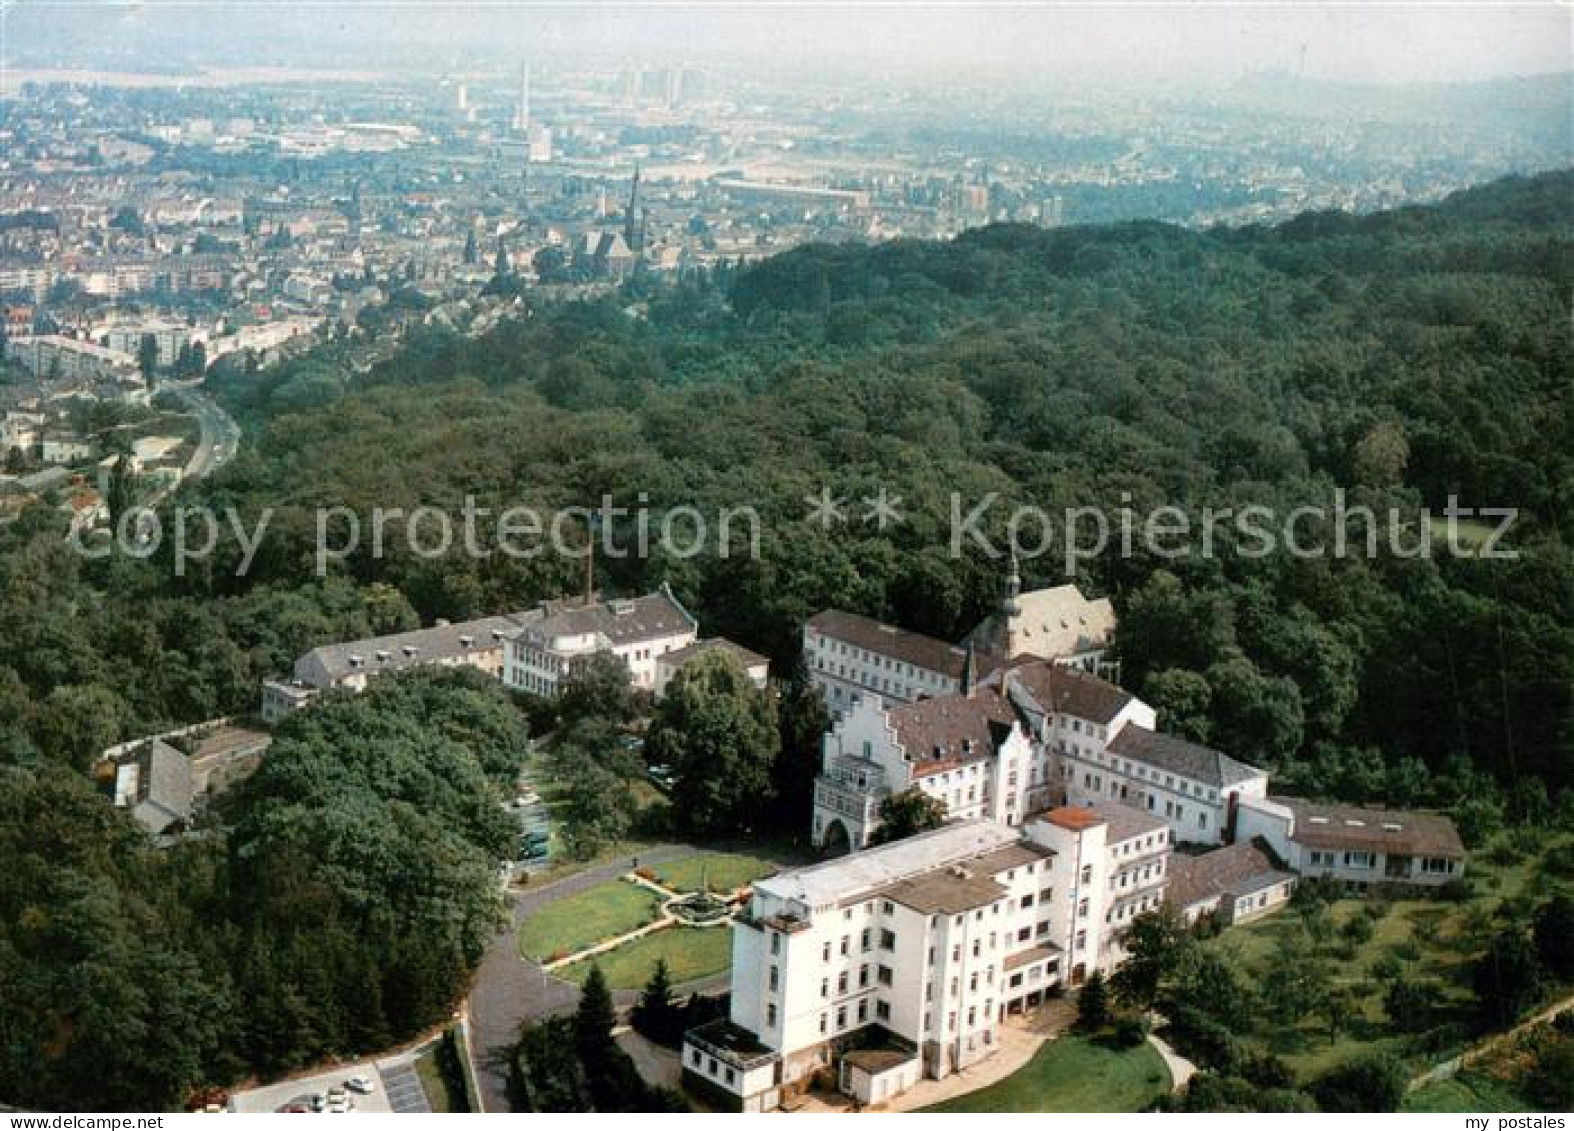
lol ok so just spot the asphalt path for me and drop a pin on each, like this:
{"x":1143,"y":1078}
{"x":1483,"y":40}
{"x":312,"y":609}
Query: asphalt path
{"x":511,"y":991}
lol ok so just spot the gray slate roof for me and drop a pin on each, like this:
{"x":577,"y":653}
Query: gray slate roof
{"x":323,"y":667}
{"x":1177,"y":756}
{"x":166,"y":789}
{"x":689,"y":652}
{"x":1237,"y":869}
{"x":1415,"y":832}
{"x":620,"y":621}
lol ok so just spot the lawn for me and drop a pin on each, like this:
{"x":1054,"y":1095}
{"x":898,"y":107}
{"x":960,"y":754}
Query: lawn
{"x":1423,"y":934}
{"x":691,"y":952}
{"x":722,"y":871}
{"x":1467,"y":1092}
{"x":1432,"y":939}
{"x":595,"y":915}
{"x":1073,"y":1073}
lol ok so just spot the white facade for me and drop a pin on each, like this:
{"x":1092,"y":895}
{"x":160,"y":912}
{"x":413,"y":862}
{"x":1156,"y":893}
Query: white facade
{"x":1358,"y":846}
{"x":1193,"y":788}
{"x":904,"y":960}
{"x":669,"y":663}
{"x":850,"y":657}
{"x":637,"y":631}
{"x":968,"y":752}
{"x":168,"y":337}
{"x":1033,"y":735}
{"x":66,"y":449}
{"x":20,"y":430}
{"x":53,"y":355}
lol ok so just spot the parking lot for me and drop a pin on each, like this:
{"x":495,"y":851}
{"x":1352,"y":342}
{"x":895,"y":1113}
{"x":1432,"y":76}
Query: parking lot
{"x":275,"y":1096}
{"x":403,"y":1089}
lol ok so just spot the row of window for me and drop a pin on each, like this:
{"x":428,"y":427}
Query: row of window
{"x":831,"y":647}
{"x":1131,"y":909}
{"x":711,"y":1067}
{"x":1131,"y":877}
{"x":536,"y":684}
{"x":1142,"y":772}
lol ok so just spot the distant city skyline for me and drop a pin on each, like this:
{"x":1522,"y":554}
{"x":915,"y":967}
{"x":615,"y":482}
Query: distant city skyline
{"x":1009,"y":43}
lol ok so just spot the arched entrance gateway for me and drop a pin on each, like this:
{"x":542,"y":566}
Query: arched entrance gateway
{"x":835,"y":841}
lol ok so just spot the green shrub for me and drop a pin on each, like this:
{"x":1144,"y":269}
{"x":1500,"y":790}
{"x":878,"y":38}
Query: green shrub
{"x":1131,"y":1030}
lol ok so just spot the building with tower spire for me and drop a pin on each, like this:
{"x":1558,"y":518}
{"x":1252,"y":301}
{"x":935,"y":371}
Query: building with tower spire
{"x":634,"y":219}
{"x":850,"y":657}
{"x":1057,"y":624}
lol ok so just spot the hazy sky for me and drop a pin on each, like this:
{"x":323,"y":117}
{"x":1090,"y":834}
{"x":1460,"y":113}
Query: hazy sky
{"x":1358,"y":41}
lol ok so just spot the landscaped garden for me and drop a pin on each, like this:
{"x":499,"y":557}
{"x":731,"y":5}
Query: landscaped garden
{"x":1417,"y":936}
{"x":691,"y":953}
{"x":717,"y":871}
{"x":578,"y":921}
{"x":1359,"y":948}
{"x":1075,"y":1073}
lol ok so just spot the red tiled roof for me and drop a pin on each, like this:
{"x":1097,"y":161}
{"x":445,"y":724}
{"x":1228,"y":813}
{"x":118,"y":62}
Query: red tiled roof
{"x":1073,"y":817}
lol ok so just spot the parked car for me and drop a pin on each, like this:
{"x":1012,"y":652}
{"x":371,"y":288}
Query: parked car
{"x":318,"y":1101}
{"x":294,"y":1108}
{"x":365,"y":1085}
{"x":339,"y":1101}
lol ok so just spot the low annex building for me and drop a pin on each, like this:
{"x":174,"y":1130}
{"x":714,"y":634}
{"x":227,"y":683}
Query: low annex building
{"x":165,"y":780}
{"x":350,"y":666}
{"x":1357,"y":845}
{"x":901,"y":962}
{"x":669,"y":664}
{"x":1236,"y":883}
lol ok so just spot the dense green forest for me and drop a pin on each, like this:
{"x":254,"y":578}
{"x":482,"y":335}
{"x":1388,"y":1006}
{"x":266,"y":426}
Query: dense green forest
{"x":352,"y":893}
{"x":1405,"y":357}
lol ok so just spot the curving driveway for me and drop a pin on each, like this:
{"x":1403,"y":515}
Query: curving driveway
{"x":511,"y":990}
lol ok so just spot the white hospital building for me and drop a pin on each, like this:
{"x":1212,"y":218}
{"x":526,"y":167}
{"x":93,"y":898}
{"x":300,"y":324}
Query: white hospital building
{"x":903,"y":961}
{"x":1031,"y":735}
